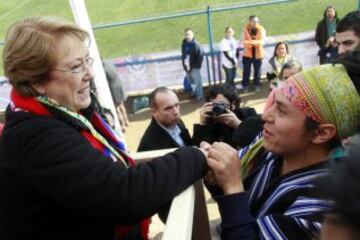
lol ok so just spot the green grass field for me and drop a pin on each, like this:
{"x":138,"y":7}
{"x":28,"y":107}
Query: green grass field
{"x":295,"y":16}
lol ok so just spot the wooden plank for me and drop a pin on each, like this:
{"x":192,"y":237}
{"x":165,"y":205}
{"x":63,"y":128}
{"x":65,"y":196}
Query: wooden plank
{"x":201,"y":229}
{"x":179,"y":223}
{"x":187,"y":208}
{"x":149,"y":155}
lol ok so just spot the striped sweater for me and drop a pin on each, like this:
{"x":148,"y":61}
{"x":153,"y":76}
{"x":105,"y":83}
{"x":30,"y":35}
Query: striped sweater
{"x":274,"y":206}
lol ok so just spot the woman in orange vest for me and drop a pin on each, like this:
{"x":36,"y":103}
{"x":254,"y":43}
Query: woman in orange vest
{"x":253,"y":39}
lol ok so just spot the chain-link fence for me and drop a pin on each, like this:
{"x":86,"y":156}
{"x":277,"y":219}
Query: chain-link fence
{"x":164,"y":33}
{"x":147,"y":50}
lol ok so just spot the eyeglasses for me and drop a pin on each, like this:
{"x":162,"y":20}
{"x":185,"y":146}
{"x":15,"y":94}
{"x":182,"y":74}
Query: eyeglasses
{"x":79,"y":68}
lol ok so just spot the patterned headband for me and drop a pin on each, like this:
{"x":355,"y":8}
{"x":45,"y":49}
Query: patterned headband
{"x":327,"y":95}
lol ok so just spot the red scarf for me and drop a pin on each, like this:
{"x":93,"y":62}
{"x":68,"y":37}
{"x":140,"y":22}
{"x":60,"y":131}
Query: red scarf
{"x":29,"y":104}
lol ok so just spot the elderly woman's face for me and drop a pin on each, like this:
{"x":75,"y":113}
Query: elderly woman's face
{"x":284,"y":131}
{"x":69,"y":82}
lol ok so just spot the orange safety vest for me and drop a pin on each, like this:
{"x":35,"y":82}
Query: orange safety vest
{"x":257,"y":42}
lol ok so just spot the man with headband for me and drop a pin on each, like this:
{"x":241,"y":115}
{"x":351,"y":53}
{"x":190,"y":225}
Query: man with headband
{"x":269,"y":194}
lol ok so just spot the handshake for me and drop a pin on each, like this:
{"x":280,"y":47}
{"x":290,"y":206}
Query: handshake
{"x":224,"y":167}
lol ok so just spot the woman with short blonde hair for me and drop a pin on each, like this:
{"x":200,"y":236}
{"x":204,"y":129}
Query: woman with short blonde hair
{"x":64,"y":174}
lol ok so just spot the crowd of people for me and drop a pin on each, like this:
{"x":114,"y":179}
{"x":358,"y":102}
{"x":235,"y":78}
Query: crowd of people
{"x":288,"y":173}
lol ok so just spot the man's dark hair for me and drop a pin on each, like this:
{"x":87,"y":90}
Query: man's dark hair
{"x":227,"y":28}
{"x":252,"y":17}
{"x":188,"y":29}
{"x":351,"y":22}
{"x":229,"y":92}
{"x":152,"y":96}
{"x":342,"y":186}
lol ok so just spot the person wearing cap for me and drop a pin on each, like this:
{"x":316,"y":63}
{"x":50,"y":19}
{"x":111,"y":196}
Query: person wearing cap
{"x":253,"y":40}
{"x":270,"y":193}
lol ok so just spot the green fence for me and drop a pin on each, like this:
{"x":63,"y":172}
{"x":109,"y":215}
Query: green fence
{"x":164,"y":33}
{"x":152,"y":31}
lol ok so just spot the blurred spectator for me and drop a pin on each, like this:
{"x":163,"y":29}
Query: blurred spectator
{"x":342,"y":187}
{"x":325,"y":36}
{"x":280,"y":57}
{"x":192,"y":57}
{"x":288,"y":69}
{"x":228,"y":48}
{"x":348,"y":33}
{"x":222,"y":119}
{"x":253,"y":39}
{"x":117,"y":92}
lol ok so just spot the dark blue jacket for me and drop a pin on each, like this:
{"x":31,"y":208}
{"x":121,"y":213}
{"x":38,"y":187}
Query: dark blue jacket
{"x":195,"y":51}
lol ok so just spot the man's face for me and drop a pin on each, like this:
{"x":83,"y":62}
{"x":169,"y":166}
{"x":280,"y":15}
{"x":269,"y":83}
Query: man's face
{"x":348,"y":41}
{"x":167,"y":109}
{"x":189,"y":36}
{"x":253,"y":23}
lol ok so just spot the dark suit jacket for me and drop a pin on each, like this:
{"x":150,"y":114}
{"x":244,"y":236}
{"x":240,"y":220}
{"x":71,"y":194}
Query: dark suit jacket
{"x":156,"y":138}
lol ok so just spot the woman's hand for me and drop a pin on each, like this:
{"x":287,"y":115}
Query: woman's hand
{"x":204,"y":110}
{"x":225,"y":163}
{"x":229,"y":119}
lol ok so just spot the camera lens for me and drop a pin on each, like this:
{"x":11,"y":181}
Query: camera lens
{"x":219,"y":108}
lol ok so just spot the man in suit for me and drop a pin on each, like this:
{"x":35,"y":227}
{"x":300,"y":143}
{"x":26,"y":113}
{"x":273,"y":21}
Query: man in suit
{"x":166,"y":129}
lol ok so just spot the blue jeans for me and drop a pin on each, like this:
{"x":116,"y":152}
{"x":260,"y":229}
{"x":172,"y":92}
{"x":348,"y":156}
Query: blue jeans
{"x":247,"y":69}
{"x":194,"y":77}
{"x":230,"y":74}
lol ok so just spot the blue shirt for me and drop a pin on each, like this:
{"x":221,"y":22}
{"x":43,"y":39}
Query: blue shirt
{"x":174,"y":133}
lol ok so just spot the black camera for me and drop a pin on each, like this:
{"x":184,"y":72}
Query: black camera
{"x":271,"y":76}
{"x":219,"y":108}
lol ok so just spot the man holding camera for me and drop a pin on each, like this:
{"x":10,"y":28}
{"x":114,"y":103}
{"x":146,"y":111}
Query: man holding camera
{"x":253,"y":40}
{"x":221,"y":119}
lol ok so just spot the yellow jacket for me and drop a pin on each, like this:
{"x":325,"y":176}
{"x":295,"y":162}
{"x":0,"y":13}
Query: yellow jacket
{"x":257,"y":42}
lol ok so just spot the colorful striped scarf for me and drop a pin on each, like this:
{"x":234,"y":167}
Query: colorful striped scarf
{"x":98,"y":133}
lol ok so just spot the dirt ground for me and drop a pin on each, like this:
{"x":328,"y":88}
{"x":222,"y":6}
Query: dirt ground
{"x":190,"y":115}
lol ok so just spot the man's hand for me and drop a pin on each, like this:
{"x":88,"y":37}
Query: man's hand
{"x":229,"y":119}
{"x":225,"y":163}
{"x":210,"y":176}
{"x":204,"y":112}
